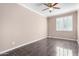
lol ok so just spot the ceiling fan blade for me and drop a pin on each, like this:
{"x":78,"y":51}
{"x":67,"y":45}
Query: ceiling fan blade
{"x":45,"y":9}
{"x":55,"y":4}
{"x":56,"y":7}
{"x":45,"y":4}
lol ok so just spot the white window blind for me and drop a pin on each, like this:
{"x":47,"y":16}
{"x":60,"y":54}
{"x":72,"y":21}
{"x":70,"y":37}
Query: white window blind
{"x":64,"y":23}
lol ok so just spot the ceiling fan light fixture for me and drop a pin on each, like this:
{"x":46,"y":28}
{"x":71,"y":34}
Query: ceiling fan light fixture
{"x":51,"y":9}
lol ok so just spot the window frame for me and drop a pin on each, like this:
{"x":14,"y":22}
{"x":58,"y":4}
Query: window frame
{"x":63,"y":17}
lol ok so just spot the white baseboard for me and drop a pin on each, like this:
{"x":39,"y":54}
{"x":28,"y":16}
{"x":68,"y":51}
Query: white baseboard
{"x":78,"y":41}
{"x":63,"y":38}
{"x":33,"y":42}
{"x":5,"y":51}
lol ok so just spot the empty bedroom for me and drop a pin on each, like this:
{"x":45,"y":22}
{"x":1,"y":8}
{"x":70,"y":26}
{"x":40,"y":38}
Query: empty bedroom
{"x":39,"y":29}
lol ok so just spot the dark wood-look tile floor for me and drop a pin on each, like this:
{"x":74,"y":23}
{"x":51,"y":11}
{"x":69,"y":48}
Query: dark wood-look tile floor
{"x":46,"y":47}
{"x":70,"y":47}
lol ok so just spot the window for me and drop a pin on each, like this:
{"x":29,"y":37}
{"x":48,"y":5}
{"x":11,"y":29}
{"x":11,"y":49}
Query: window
{"x":64,"y":23}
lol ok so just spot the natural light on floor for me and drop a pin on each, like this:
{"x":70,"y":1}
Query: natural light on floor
{"x":63,"y":51}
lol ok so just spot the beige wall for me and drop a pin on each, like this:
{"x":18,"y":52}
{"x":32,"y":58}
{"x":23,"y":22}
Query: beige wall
{"x":62,"y":34}
{"x":19,"y":25}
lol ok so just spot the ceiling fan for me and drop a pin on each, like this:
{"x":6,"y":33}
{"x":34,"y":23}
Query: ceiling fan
{"x":50,"y":6}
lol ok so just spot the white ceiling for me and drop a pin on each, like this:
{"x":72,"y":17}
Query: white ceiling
{"x":64,"y":7}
